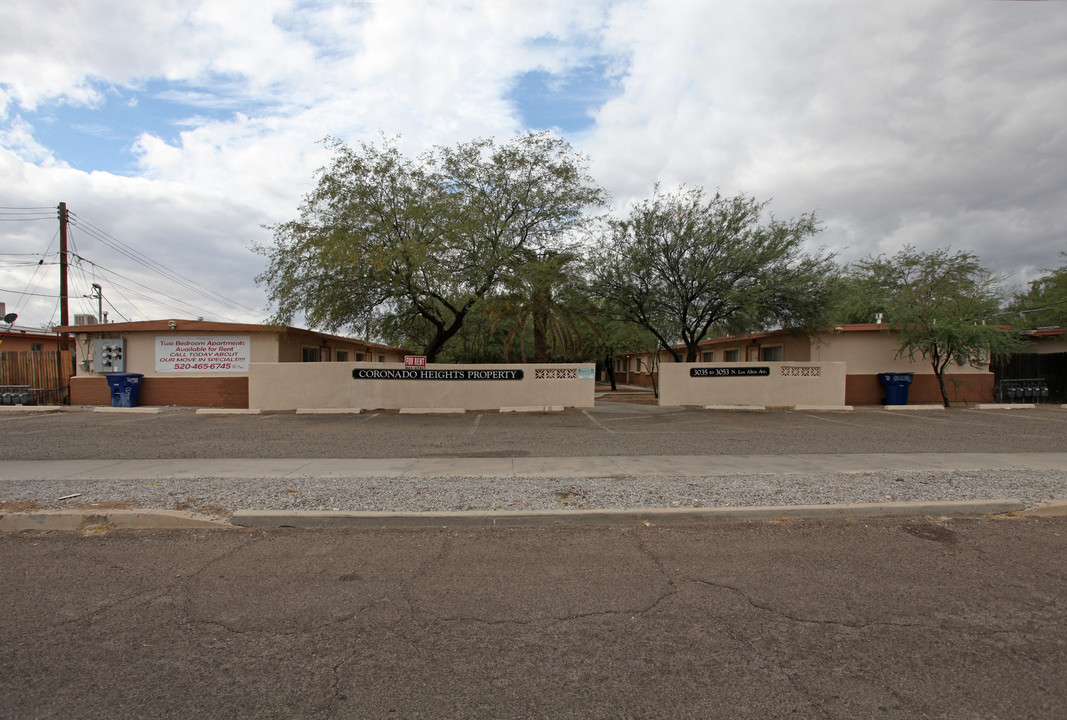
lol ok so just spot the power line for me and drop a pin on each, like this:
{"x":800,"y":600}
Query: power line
{"x":18,"y":305}
{"x":147,"y":297}
{"x":155,"y":266}
{"x":28,"y":294}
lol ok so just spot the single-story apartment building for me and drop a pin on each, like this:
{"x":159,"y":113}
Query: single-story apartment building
{"x":18,"y":339}
{"x":867,"y":349}
{"x":200,"y":363}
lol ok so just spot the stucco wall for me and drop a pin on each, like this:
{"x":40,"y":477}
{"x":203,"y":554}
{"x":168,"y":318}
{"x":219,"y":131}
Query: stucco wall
{"x":875,"y":352}
{"x":290,"y":386}
{"x":786,"y":385}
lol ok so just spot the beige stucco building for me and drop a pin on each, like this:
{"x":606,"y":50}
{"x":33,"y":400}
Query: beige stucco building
{"x":867,"y":349}
{"x":200,"y":363}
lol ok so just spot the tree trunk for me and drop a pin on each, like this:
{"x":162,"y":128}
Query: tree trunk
{"x":609,"y":363}
{"x":940,"y":373}
{"x":442,"y":336}
{"x":540,"y":335}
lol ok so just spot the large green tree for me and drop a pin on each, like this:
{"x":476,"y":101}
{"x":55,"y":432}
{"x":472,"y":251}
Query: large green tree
{"x":1044,"y":304}
{"x":683,"y":263}
{"x":941,"y":305}
{"x":399,"y":244}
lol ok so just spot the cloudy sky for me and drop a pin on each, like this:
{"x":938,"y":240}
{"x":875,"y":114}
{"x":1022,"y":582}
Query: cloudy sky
{"x":175,"y":129}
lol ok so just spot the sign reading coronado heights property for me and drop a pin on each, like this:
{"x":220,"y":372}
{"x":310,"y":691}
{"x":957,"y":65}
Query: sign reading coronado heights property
{"x":730,"y":372}
{"x":202,"y":354}
{"x":427,"y":374}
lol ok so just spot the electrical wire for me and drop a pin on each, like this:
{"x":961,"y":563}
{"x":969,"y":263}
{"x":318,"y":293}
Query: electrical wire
{"x":155,"y":266}
{"x":151,"y":298}
{"x":19,"y":303}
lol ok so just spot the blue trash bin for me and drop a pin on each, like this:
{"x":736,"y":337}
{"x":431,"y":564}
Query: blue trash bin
{"x":896,"y":387}
{"x":125,"y":389}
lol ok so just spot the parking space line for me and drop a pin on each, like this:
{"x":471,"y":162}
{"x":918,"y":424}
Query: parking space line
{"x":474,"y":425}
{"x":597,"y":422}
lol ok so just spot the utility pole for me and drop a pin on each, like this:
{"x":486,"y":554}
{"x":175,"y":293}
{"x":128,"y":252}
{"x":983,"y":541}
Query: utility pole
{"x":64,"y":316}
{"x":98,"y":294}
{"x":63,"y":312}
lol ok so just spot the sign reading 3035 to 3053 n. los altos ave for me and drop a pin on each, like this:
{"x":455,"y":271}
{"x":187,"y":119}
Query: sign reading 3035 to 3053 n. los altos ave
{"x":202,"y":354}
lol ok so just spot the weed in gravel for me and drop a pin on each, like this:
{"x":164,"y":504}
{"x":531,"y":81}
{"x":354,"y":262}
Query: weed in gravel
{"x":19,"y":506}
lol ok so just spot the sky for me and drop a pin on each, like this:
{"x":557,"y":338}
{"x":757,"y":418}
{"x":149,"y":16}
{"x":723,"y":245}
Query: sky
{"x":176,"y":130}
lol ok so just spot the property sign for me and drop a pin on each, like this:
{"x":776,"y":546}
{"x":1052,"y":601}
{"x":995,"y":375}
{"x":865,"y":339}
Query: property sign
{"x":414,"y":361}
{"x":730,"y":372}
{"x":211,"y":353}
{"x":427,"y":374}
{"x":586,"y":374}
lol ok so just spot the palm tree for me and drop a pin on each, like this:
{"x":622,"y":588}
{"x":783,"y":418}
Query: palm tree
{"x":545,"y":295}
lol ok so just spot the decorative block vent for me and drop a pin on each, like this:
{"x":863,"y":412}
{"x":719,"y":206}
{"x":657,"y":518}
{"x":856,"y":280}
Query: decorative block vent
{"x":555,"y":373}
{"x":793,"y":371}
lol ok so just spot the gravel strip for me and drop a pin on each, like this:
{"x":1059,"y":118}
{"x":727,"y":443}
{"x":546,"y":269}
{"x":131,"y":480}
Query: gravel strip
{"x":222,"y":497}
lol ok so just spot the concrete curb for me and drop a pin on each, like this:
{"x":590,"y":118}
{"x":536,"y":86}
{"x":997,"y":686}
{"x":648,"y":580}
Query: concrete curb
{"x":29,"y":408}
{"x":266,"y":519}
{"x":329,"y":411}
{"x":106,"y":520}
{"x":911,"y":408}
{"x":117,"y":519}
{"x":131,"y":410}
{"x":1053,"y":508}
{"x":1005,"y":406}
{"x":738,"y":408}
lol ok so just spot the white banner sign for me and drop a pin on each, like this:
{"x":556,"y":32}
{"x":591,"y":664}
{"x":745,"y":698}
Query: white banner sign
{"x":202,"y":354}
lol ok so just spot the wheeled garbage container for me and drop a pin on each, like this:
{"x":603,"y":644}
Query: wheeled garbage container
{"x":125,"y":389}
{"x":896,"y":387}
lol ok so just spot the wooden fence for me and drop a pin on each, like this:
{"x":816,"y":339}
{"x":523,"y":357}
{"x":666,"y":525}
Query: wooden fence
{"x":46,"y":379}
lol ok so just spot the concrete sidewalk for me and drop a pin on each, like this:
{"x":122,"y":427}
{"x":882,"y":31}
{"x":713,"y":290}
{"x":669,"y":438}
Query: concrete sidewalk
{"x":561,"y":467}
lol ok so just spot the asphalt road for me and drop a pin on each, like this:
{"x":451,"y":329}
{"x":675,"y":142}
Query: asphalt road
{"x":876,"y":619}
{"x":609,"y":429}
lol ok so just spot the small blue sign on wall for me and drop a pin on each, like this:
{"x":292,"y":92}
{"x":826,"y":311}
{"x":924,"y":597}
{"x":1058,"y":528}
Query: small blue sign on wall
{"x":586,"y":374}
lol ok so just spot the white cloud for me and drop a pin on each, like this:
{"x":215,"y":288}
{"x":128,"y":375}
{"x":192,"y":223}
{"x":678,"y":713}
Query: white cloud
{"x":911,"y":122}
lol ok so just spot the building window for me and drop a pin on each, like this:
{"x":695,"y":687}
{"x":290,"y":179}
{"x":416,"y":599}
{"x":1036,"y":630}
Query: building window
{"x":708,"y":356}
{"x":342,"y":356}
{"x":381,"y":358}
{"x":36,"y":347}
{"x":729,"y":355}
{"x":359,"y":357}
{"x":309,"y":354}
{"x":771,"y":354}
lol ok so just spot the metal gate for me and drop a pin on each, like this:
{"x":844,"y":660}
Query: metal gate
{"x":1051,"y":367}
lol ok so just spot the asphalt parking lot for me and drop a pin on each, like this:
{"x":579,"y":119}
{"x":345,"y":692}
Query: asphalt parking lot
{"x":610,"y":429}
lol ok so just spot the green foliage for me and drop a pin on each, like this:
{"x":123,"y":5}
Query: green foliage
{"x":544,"y":299}
{"x":683,"y":263}
{"x":941,"y":304}
{"x":411,"y":247}
{"x":1045,"y":303}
